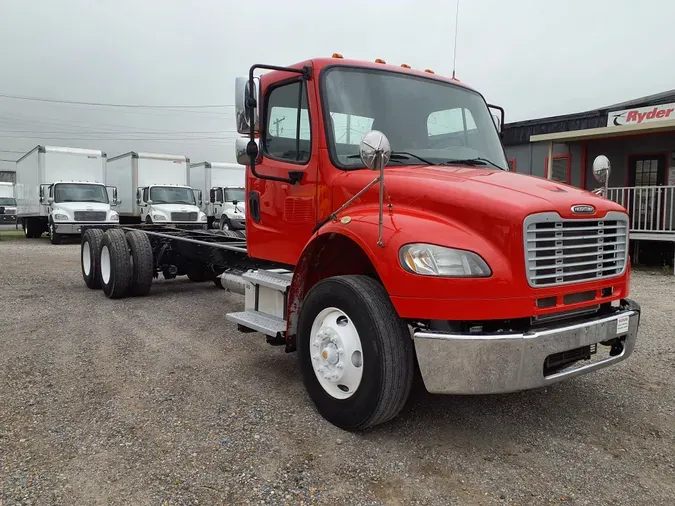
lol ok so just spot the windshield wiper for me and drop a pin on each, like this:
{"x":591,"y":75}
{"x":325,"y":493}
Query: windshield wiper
{"x":472,"y":162}
{"x":401,"y":155}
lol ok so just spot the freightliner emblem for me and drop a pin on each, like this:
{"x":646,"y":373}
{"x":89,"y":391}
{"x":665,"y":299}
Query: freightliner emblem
{"x":583,"y":209}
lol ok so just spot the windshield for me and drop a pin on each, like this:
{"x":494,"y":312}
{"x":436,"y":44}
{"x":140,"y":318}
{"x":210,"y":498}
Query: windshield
{"x":7,"y":201}
{"x":77,"y":192}
{"x":426,"y":121}
{"x":237,"y":194}
{"x":172,"y":195}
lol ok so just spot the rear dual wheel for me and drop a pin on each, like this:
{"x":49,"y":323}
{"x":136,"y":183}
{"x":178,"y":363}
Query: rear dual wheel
{"x":121,"y":264}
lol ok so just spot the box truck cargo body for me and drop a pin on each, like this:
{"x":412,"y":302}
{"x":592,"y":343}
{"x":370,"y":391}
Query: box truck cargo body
{"x":7,"y":204}
{"x":224,"y":184}
{"x":153,"y":188}
{"x":61,"y":189}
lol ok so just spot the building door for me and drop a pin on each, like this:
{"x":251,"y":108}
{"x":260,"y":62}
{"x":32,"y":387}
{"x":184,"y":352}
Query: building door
{"x":645,"y":174}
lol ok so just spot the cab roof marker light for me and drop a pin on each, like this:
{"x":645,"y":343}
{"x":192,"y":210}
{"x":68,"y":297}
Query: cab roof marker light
{"x":380,"y":60}
{"x":337,"y":55}
{"x":405,"y":65}
{"x":429,"y":71}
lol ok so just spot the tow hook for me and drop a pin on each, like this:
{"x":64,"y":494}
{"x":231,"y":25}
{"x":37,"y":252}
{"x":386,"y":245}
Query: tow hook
{"x":617,"y":346}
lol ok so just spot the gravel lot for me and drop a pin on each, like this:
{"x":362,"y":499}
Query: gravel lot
{"x":160,"y":401}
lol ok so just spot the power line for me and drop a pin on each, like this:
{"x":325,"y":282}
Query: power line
{"x":5,"y":160}
{"x":104,"y":104}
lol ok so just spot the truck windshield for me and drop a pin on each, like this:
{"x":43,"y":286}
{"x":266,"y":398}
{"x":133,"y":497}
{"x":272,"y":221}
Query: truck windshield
{"x":7,"y":201}
{"x":78,"y":192}
{"x":237,"y":194}
{"x":172,"y":195}
{"x":426,"y":121}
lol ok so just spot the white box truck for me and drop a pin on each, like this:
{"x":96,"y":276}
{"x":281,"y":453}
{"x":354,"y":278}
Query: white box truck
{"x":59,"y":190}
{"x":224,"y":183}
{"x":7,"y":204}
{"x":153,"y":188}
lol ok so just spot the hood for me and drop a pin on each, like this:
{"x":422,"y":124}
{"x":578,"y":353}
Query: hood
{"x":466,"y":193}
{"x":70,"y":207}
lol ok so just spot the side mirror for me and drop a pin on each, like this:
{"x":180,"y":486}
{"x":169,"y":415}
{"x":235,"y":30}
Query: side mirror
{"x":601,"y":169}
{"x":497,"y":121}
{"x":50,"y":200}
{"x":375,"y":150}
{"x":242,"y":154}
{"x":212,"y":195}
{"x":139,"y":195}
{"x":243,"y":102}
{"x":198,"y":197}
{"x":235,"y":202}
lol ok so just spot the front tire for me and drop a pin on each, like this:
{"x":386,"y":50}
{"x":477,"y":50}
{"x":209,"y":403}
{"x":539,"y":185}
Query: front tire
{"x":349,"y":321}
{"x":90,"y":252}
{"x":224,"y":223}
{"x":115,"y":264}
{"x":54,"y":238}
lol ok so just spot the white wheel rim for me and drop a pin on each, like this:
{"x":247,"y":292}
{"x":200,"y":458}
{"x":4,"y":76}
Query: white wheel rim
{"x":336,"y":353}
{"x":105,"y":264}
{"x":86,"y":258}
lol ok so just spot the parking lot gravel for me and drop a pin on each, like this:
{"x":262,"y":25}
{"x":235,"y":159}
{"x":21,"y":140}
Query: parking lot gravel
{"x":160,"y":401}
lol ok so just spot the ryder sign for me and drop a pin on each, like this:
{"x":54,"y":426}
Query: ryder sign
{"x":651,"y":114}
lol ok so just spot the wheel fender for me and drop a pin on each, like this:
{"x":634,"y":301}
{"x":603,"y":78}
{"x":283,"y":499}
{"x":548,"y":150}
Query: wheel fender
{"x":359,"y":226}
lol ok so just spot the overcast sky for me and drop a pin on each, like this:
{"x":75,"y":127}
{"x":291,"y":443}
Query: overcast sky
{"x":534,"y":57}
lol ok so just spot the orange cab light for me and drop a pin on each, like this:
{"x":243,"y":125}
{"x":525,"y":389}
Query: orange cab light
{"x":429,"y":71}
{"x":380,"y":60}
{"x":405,"y":65}
{"x":337,"y":55}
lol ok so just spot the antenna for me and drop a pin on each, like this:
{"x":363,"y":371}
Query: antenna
{"x":454,"y":56}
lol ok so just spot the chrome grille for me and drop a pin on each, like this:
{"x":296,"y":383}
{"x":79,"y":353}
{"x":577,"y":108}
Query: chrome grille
{"x":8,"y":211}
{"x":560,"y":251}
{"x":90,"y":215}
{"x":184,"y":216}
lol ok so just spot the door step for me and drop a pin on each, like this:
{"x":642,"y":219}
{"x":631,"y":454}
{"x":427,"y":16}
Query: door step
{"x":277,"y":279}
{"x":259,"y":322}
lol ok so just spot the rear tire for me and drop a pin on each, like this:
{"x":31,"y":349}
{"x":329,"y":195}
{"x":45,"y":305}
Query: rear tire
{"x":360,"y":307}
{"x":143,"y":264}
{"x":90,"y":252}
{"x":115,"y":264}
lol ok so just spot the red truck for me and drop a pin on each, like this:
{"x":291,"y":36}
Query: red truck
{"x":385,"y":237}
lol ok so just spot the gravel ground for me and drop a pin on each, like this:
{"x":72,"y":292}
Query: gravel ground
{"x":160,"y":401}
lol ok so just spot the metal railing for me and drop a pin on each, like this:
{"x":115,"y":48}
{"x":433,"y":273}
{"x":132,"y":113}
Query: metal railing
{"x":651,"y":208}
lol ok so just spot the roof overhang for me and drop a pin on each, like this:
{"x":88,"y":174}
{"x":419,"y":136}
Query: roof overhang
{"x":605,"y":132}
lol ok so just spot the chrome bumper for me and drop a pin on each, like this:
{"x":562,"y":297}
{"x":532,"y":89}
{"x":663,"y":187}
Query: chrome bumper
{"x":488,"y":364}
{"x":77,"y":227}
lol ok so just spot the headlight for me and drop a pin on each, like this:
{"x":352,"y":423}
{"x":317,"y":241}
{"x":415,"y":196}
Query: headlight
{"x":114,"y":216}
{"x":430,"y":260}
{"x":159,"y":217}
{"x":59,"y":216}
{"x":202,"y":217}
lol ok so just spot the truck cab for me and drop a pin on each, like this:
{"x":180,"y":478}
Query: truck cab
{"x":72,"y":205}
{"x":173,"y":204}
{"x":227,"y":205}
{"x":385,"y":191}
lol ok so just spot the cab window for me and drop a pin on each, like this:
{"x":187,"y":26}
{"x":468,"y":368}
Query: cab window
{"x":288,"y":134}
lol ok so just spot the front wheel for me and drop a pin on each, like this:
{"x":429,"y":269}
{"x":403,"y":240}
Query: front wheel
{"x":224,"y":223}
{"x":54,"y":238}
{"x":355,"y":353}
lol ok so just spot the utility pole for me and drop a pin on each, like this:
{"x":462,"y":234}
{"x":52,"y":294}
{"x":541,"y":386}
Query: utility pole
{"x":276,"y":123}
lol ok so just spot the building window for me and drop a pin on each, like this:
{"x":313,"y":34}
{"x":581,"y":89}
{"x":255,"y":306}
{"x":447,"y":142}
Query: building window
{"x":512,"y":165}
{"x":287,"y":110}
{"x":646,"y":173}
{"x":560,"y":168}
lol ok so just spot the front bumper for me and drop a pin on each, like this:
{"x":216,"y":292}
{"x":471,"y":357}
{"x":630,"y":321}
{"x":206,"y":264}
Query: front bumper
{"x":77,"y":227}
{"x":7,"y":218}
{"x":500,"y":363}
{"x":188,"y":225}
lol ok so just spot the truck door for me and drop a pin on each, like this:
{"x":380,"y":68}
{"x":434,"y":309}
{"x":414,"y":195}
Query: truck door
{"x":281,"y":215}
